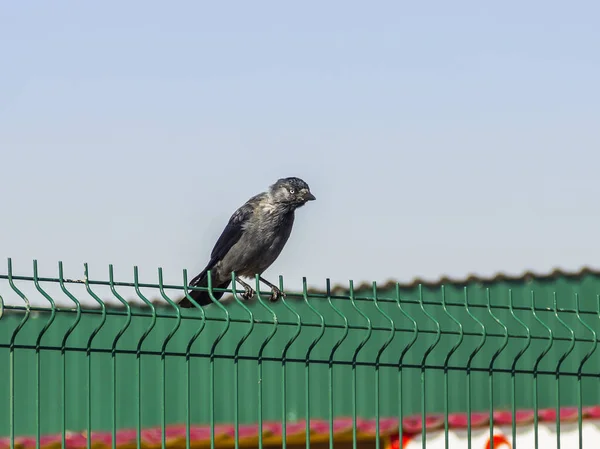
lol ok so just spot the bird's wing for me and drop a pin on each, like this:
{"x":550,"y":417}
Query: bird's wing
{"x":234,"y":229}
{"x":230,"y":236}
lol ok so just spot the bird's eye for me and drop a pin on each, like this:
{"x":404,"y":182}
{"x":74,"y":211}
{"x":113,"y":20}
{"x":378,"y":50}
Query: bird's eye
{"x":292,"y":191}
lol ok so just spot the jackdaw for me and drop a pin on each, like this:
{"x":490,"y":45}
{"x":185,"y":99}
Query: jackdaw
{"x":252,"y":240}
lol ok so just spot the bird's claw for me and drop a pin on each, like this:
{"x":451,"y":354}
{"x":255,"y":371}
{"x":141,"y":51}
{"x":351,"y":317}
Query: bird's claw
{"x":276,"y":294}
{"x":248,"y":293}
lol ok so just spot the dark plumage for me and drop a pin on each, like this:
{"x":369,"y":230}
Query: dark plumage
{"x":252,"y":240}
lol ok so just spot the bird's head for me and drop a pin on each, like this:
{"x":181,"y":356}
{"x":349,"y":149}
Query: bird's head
{"x":291,"y":192}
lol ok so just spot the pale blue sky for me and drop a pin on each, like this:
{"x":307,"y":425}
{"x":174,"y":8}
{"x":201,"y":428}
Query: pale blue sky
{"x":440,"y":138}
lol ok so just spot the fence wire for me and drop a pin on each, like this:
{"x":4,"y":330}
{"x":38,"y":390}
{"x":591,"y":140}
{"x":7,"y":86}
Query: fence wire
{"x":85,"y":361}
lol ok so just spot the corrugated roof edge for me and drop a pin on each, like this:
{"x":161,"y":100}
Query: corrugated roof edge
{"x":526,"y":276}
{"x":471,"y":278}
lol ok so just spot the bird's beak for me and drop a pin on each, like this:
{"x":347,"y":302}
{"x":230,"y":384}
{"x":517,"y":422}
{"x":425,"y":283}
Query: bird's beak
{"x":309,"y":197}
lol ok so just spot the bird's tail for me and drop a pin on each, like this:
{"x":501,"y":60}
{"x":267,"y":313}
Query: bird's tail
{"x":201,"y":297}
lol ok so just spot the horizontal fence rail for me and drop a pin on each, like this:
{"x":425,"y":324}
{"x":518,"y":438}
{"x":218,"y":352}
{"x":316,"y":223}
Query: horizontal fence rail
{"x":89,"y":355}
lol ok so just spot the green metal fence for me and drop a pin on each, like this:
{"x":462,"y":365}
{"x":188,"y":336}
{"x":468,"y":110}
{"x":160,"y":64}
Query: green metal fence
{"x":364,"y":352}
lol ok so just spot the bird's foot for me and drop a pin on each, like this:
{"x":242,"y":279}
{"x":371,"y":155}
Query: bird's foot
{"x":248,"y":293}
{"x":276,"y":294}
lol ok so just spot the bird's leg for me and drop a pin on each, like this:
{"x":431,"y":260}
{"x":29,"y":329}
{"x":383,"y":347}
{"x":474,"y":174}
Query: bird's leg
{"x":275,"y":292}
{"x":248,"y":292}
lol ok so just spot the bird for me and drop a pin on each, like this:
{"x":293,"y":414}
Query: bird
{"x":252,"y":240}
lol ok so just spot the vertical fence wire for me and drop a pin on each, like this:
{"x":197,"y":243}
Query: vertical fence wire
{"x":307,"y":362}
{"x":331,"y":358}
{"x":407,"y":347}
{"x":289,"y":343}
{"x":558,"y":365}
{"x":354,"y":365}
{"x":213,"y":358}
{"x":583,"y":361}
{"x":468,"y":367}
{"x":236,"y":363}
{"x":64,"y":354}
{"x":513,"y":369}
{"x":12,"y":353}
{"x":426,"y":354}
{"x":383,"y":347}
{"x":113,"y":353}
{"x":260,"y":359}
{"x":38,"y":354}
{"x":492,"y":361}
{"x":138,"y":354}
{"x":88,"y":354}
{"x":452,"y":350}
{"x":163,"y":357}
{"x":536,"y":369}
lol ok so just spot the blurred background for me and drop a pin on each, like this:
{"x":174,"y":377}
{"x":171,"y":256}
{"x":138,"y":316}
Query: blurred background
{"x":440,"y":138}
